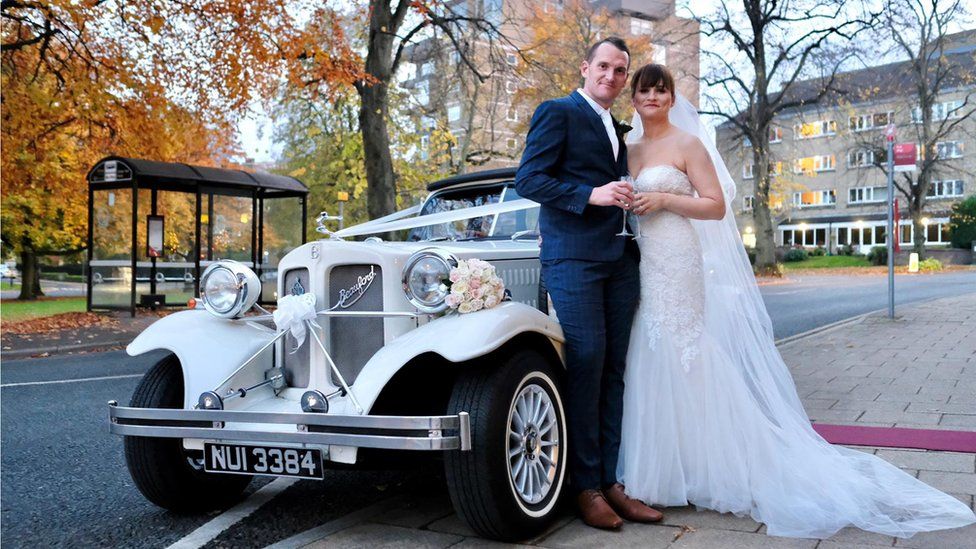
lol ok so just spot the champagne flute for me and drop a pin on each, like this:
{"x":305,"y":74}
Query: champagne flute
{"x":623,"y":231}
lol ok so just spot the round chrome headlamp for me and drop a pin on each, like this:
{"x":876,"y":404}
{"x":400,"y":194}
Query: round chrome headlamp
{"x":228,"y":288}
{"x":425,"y":278}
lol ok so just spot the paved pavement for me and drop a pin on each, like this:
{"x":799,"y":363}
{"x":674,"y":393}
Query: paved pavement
{"x":918,"y":370}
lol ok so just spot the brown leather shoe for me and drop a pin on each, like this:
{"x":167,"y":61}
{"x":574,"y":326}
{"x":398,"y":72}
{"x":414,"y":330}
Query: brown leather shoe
{"x":596,"y":512}
{"x":630,"y":508}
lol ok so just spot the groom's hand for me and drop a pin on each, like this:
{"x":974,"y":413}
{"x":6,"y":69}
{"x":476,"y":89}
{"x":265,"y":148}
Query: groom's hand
{"x":615,"y":193}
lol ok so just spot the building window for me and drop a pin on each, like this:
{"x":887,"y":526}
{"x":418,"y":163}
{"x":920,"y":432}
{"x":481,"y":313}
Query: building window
{"x":775,"y":135}
{"x":510,"y":86}
{"x":512,"y":115}
{"x":819,"y":128}
{"x":427,"y":68}
{"x":861,"y":158}
{"x":775,"y":168}
{"x":865,"y":122}
{"x":424,"y":146}
{"x":748,"y":171}
{"x":949,"y":149}
{"x":907,"y":230}
{"x":864,"y":195}
{"x":945,"y":189}
{"x":511,"y":59}
{"x":511,"y":143}
{"x":746,"y":142}
{"x":639,"y":27}
{"x":940,"y":111}
{"x":748,"y":202}
{"x":454,"y":113}
{"x":813,"y":164}
{"x":937,"y":233}
{"x":659,"y":54}
{"x":811,"y":199}
{"x":552,"y":6}
{"x":423,"y":92}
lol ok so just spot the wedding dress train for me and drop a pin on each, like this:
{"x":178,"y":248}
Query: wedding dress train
{"x":711,"y":414}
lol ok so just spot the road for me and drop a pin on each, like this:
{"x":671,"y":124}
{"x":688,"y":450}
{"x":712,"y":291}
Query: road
{"x":809,"y":301}
{"x":64,"y":483}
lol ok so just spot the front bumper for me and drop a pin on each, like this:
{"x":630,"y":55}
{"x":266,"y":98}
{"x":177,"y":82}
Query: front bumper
{"x":387,"y":432}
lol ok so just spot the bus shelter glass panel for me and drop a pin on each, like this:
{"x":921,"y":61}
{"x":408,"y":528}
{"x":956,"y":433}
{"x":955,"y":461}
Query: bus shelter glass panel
{"x":175,"y":270}
{"x":231,"y":229}
{"x":111,"y":264}
{"x":282,"y":233}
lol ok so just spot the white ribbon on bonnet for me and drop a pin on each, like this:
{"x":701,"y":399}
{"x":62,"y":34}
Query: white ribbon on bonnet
{"x":291,"y":315}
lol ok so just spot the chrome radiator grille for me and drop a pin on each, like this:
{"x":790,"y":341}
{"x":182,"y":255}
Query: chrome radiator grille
{"x":295,"y":365}
{"x":353,"y":341}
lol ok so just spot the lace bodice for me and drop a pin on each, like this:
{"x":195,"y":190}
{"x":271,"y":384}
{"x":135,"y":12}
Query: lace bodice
{"x":672,"y":283}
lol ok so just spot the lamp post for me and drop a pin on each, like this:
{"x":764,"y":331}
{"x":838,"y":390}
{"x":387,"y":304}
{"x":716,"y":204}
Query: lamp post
{"x":890,"y":142}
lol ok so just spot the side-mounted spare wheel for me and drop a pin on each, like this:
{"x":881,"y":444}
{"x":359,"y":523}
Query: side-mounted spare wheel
{"x":508,"y":485}
{"x":165,"y":473}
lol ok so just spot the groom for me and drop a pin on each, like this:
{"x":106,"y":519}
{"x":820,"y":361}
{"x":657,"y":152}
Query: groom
{"x":573,"y":162}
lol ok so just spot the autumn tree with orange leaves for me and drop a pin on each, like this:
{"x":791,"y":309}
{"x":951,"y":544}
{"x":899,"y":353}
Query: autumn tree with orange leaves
{"x":162,"y":79}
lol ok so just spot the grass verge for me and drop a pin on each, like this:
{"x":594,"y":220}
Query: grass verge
{"x":828,"y":262}
{"x":14,"y":311}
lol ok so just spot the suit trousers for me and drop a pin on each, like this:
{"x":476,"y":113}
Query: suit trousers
{"x":595,"y":302}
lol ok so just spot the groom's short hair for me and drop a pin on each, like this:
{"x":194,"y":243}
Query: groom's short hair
{"x":614,"y":41}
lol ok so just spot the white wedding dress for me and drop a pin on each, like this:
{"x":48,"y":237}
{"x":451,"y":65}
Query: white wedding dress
{"x":711,"y":415}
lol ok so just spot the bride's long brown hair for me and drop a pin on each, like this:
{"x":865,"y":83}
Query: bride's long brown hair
{"x":652,"y":75}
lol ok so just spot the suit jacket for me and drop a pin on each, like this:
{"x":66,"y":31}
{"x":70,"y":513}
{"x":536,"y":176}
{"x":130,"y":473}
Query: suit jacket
{"x":567,"y":154}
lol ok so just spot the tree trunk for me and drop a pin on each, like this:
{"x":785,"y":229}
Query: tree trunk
{"x":380,"y":181}
{"x":30,"y":284}
{"x":920,"y":233}
{"x":765,"y":241}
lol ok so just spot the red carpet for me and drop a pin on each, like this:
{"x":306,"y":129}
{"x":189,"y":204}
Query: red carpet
{"x":897,"y":437}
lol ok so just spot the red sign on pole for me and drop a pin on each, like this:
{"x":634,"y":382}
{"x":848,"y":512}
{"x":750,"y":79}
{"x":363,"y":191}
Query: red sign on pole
{"x":906,"y":156}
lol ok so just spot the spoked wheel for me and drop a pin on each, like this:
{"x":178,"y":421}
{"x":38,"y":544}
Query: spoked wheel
{"x":508,"y":485}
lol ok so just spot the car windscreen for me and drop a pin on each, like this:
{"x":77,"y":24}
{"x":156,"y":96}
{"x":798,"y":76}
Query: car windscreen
{"x":458,"y":199}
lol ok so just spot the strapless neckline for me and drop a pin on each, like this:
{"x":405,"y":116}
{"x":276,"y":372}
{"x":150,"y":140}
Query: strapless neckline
{"x":649,"y":168}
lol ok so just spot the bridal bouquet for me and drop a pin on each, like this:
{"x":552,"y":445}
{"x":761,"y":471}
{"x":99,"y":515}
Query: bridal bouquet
{"x":474,"y":286}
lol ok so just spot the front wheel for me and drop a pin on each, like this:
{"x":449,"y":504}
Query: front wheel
{"x":162,"y":470}
{"x":508,"y":485}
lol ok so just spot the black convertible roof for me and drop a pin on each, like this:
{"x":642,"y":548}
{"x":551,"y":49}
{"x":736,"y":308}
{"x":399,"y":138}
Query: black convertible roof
{"x":484,"y":175}
{"x":179,"y":176}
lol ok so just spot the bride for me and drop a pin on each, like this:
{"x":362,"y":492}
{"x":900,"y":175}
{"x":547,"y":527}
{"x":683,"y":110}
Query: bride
{"x":711,"y":415}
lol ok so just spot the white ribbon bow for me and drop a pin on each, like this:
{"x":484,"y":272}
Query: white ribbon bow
{"x":291,"y":315}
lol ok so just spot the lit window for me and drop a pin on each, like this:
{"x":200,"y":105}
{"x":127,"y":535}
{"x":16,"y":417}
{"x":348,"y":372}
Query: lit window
{"x":819,"y":128}
{"x":813,"y":164}
{"x":811,"y":199}
{"x":775,"y":168}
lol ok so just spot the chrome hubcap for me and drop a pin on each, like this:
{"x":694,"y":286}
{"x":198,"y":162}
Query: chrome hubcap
{"x":533,"y":444}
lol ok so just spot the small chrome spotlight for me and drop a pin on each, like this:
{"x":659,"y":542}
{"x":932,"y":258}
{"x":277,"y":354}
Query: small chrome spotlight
{"x":314,"y":401}
{"x":210,"y":401}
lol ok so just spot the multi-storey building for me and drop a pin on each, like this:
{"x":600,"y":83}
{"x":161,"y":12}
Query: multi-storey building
{"x":828,"y":188}
{"x":488,"y":118}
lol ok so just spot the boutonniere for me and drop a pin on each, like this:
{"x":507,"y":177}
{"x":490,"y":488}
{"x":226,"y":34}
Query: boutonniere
{"x":622,"y":129}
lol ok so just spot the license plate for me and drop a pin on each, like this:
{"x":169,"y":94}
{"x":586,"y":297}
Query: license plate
{"x":263,"y":460}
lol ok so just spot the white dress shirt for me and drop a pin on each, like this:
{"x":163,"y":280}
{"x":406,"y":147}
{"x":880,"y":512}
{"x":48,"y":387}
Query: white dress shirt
{"x":607,"y":122}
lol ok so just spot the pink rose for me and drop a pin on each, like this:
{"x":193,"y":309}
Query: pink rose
{"x":475,"y":283}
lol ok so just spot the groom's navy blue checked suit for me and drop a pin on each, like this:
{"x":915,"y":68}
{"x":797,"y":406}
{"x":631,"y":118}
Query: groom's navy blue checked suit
{"x":590,"y":273}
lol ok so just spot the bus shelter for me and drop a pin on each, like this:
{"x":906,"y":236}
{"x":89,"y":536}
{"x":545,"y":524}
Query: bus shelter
{"x":154,"y":227}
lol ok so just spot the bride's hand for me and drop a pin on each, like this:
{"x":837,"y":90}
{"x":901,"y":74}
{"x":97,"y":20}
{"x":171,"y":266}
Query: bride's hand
{"x":649,"y":202}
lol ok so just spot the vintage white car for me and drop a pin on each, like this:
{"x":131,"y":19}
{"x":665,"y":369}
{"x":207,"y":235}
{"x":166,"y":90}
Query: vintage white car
{"x":383,"y":368}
